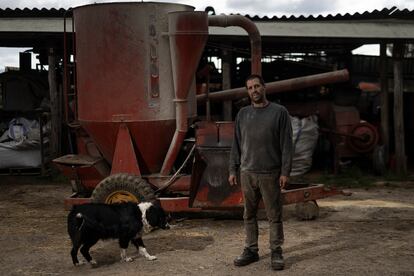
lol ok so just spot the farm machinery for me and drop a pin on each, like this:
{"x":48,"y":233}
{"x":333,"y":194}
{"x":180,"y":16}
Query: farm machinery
{"x":134,"y":109}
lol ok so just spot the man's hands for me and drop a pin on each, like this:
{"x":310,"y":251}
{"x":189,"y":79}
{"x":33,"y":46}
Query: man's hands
{"x":283,"y":180}
{"x":232,"y":180}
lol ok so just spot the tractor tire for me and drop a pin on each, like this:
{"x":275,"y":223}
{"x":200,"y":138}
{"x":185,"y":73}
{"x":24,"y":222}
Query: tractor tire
{"x":122,"y":187}
{"x":308,"y":210}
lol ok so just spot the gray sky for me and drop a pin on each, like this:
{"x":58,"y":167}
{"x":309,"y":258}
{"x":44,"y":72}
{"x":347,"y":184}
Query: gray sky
{"x":9,"y":56}
{"x":252,"y":7}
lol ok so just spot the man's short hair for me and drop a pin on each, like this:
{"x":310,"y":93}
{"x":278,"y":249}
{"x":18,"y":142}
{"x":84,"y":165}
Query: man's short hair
{"x":255,"y":76}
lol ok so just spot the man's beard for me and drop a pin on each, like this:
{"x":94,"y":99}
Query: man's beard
{"x":257,"y":98}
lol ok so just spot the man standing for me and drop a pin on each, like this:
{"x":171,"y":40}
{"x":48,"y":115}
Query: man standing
{"x":262,"y":152}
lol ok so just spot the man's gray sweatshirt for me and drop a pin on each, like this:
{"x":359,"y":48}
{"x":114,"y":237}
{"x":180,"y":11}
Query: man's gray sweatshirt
{"x":262,"y":140}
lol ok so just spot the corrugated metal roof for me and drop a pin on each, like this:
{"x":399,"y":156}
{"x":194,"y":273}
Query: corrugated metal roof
{"x":35,"y":12}
{"x":386,"y":13}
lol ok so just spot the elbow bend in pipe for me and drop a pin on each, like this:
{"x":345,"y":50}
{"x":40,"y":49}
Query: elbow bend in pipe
{"x":250,"y":28}
{"x":237,"y":20}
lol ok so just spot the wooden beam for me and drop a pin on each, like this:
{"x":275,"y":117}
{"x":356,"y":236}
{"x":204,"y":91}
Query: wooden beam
{"x":54,"y":106}
{"x":400,"y":158}
{"x":385,"y":118}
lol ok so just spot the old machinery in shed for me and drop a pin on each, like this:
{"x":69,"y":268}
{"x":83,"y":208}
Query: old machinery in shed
{"x":135,"y":109}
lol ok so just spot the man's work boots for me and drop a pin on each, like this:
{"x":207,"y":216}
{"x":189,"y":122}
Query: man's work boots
{"x":276,"y":261}
{"x":247,"y":257}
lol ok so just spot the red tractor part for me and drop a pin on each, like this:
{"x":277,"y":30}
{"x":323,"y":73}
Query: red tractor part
{"x":363,"y":137}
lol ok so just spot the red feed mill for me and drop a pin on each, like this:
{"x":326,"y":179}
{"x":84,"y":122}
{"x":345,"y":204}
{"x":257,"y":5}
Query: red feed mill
{"x":135,"y":100}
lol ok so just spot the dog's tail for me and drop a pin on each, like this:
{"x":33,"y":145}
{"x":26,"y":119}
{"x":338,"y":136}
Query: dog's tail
{"x":75,"y":223}
{"x":80,"y":221}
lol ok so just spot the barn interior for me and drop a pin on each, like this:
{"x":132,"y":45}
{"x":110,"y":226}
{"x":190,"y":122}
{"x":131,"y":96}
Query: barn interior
{"x":355,"y":122}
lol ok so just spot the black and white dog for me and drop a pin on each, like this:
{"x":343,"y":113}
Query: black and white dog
{"x":126,"y":222}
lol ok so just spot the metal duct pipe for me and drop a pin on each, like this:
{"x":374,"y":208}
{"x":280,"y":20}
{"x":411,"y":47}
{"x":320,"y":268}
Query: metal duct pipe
{"x":188,"y":33}
{"x":251,"y":29}
{"x":280,"y":86}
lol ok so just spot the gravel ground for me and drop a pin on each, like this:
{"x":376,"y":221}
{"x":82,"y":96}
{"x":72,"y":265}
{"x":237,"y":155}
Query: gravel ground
{"x":368,"y":233}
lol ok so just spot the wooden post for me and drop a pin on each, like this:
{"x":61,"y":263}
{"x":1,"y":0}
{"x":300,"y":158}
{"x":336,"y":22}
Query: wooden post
{"x":54,"y":106}
{"x":400,"y":159}
{"x":226,"y":83}
{"x":385,"y":118}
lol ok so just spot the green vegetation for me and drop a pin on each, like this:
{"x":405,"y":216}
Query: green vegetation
{"x":353,"y":177}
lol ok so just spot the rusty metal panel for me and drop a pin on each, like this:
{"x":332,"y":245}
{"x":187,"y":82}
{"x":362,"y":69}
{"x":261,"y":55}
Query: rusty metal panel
{"x":177,"y":204}
{"x":77,"y":160}
{"x":209,"y":183}
{"x":308,"y":192}
{"x":206,"y":134}
{"x":125,"y":160}
{"x":225,"y":133}
{"x":180,"y":184}
{"x":151,"y":140}
{"x":214,"y":134}
{"x":209,"y":186}
{"x":88,"y":175}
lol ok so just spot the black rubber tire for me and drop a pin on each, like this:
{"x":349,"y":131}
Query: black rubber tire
{"x":123,"y":183}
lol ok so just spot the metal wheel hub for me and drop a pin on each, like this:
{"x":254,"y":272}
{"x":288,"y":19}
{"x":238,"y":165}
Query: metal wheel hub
{"x":121,"y":196}
{"x":368,"y":138}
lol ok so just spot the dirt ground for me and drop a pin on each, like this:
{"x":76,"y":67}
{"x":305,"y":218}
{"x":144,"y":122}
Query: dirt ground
{"x":368,"y":233}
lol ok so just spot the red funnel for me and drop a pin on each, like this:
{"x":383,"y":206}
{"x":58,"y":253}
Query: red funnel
{"x":188,"y":35}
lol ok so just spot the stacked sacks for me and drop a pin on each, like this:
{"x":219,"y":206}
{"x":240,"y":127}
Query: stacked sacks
{"x":305,"y":137}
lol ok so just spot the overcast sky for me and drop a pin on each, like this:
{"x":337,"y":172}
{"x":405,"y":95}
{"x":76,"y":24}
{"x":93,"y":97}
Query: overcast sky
{"x":251,"y":7}
{"x":259,"y":7}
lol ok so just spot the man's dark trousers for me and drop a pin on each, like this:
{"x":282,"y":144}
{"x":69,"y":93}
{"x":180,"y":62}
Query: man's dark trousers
{"x":254,"y":187}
